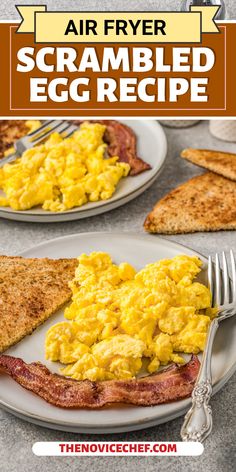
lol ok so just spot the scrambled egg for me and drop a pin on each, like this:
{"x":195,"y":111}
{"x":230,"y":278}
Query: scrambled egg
{"x":118,"y":317}
{"x":62,"y":173}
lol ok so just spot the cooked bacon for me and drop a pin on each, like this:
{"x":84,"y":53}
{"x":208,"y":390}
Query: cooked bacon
{"x":121,"y":142}
{"x":171,"y":384}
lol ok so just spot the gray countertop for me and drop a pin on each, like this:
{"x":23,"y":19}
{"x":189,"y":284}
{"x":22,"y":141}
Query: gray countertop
{"x":17,"y":436}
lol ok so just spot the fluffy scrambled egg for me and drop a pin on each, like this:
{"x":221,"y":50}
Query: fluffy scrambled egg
{"x":118,"y":317}
{"x":62,"y":173}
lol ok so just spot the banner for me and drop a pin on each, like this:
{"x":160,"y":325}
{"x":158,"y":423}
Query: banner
{"x":118,"y":63}
{"x":122,"y":27}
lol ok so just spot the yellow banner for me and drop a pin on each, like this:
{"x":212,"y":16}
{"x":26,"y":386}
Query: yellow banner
{"x":118,"y":27}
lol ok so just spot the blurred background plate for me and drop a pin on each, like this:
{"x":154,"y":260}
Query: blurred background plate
{"x":151,"y":147}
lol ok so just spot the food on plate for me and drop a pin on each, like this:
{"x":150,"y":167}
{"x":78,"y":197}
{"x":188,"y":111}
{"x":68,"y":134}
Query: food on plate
{"x":120,"y":138}
{"x":119,"y":318}
{"x":204,"y":203}
{"x":173,"y":383}
{"x":122,"y":142}
{"x":63,"y":173}
{"x":223,"y":163}
{"x":11,"y":130}
{"x":31,"y":290}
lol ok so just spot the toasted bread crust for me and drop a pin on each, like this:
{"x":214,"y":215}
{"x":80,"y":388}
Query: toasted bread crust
{"x":31,"y":290}
{"x":222,"y":163}
{"x":10,"y":131}
{"x":204,"y":203}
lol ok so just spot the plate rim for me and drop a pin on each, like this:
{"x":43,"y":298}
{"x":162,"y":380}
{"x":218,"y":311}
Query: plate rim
{"x":134,"y":424}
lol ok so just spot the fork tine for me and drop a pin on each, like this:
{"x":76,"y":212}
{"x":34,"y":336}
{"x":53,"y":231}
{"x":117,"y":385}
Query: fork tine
{"x":233,"y":265}
{"x":38,"y":130}
{"x":217,"y":294}
{"x":71,"y":129}
{"x":226,"y":281}
{"x":59,"y":128}
{"x":210,"y":277}
{"x":51,"y":127}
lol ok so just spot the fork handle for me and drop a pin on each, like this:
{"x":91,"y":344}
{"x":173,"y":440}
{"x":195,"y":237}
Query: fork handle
{"x":198,"y":420}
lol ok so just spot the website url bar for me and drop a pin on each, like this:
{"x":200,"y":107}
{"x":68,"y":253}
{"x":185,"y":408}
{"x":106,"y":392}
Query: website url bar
{"x":117,"y":449}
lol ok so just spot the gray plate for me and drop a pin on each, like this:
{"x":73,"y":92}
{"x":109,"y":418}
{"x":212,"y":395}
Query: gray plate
{"x":137,"y":250}
{"x":151,"y":146}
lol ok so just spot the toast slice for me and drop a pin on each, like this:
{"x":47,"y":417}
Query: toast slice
{"x":204,"y":203}
{"x":222,"y":163}
{"x":31,"y":290}
{"x":10,"y":131}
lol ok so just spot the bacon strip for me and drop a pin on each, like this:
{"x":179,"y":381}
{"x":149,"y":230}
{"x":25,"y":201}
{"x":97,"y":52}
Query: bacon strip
{"x":122,"y":142}
{"x":171,"y":384}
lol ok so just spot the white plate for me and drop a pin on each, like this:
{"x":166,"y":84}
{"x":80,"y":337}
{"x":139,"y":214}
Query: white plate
{"x":151,"y":147}
{"x":138,"y":250}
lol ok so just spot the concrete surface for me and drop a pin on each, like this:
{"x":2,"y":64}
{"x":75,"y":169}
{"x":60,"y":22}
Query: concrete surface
{"x":8,"y":7}
{"x":17,"y":436}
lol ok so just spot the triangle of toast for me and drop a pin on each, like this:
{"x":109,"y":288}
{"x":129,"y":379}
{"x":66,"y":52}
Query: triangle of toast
{"x":31,"y":290}
{"x":222,"y":163}
{"x":204,"y":203}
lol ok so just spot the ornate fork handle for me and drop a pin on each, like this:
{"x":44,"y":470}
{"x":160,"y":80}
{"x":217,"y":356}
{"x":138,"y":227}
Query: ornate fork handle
{"x":198,"y":421}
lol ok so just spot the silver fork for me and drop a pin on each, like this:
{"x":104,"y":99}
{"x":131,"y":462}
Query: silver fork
{"x":198,"y":421}
{"x":38,"y":136}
